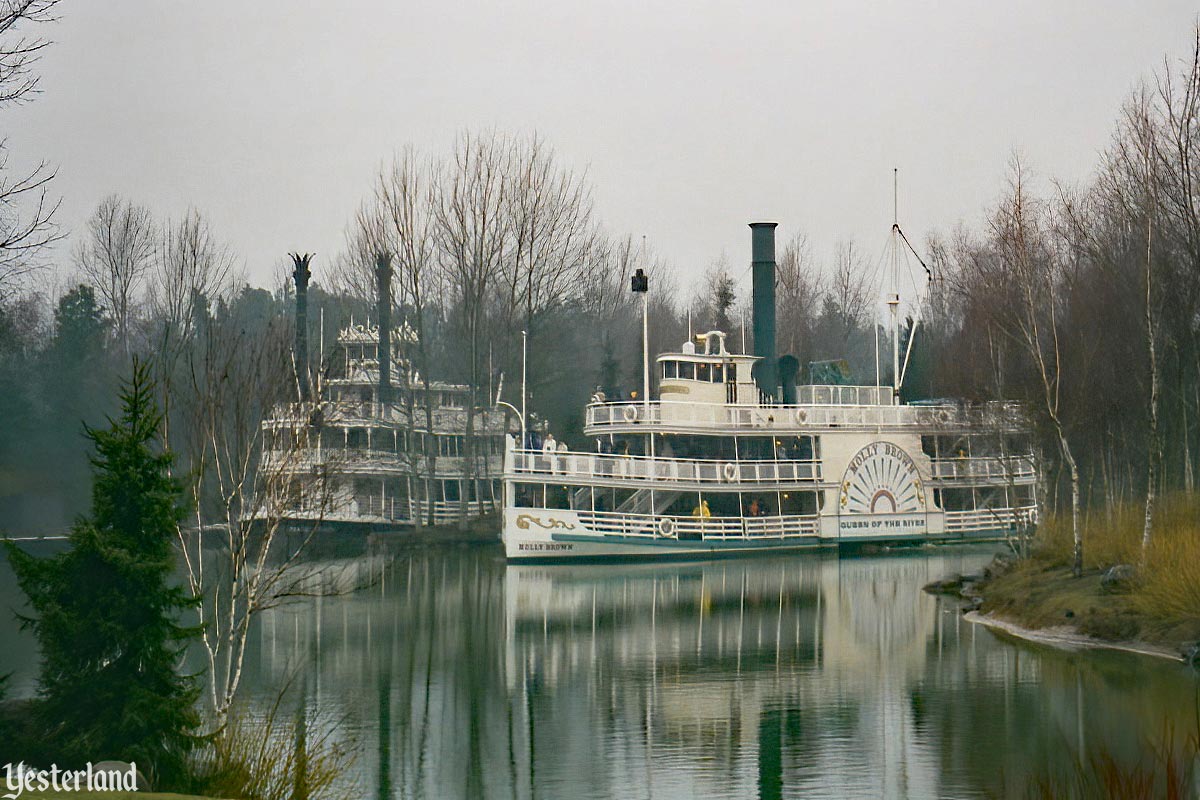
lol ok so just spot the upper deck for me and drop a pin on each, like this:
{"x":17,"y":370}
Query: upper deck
{"x":710,"y":390}
{"x":819,"y":408}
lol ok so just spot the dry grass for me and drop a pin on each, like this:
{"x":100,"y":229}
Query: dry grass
{"x":273,"y":758}
{"x":1167,"y":770}
{"x":1167,"y":586}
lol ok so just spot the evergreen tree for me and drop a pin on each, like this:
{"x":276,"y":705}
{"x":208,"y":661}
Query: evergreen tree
{"x":105,"y":612}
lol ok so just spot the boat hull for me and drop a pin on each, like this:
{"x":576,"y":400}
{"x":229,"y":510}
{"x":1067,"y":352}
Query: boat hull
{"x":540,"y":535}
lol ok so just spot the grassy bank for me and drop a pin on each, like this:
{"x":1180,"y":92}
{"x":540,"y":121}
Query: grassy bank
{"x":1123,"y":595}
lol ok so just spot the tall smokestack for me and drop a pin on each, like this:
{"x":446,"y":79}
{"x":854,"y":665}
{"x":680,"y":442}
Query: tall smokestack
{"x":301,"y":274}
{"x":383,"y":275}
{"x":763,"y":275}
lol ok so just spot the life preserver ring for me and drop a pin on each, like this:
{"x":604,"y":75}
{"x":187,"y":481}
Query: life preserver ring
{"x":801,"y":415}
{"x":943,"y":415}
{"x":729,"y":471}
{"x":666,"y":526}
{"x":630,"y":413}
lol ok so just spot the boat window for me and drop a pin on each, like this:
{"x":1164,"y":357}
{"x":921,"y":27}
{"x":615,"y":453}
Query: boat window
{"x":527,"y":495}
{"x":795,"y":448}
{"x":704,"y":372}
{"x":991,"y":497}
{"x":797,"y":503}
{"x":721,"y":504}
{"x":670,"y":369}
{"x":718,"y":373}
{"x":957,"y":500}
{"x":756,"y":448}
{"x":687,"y":370}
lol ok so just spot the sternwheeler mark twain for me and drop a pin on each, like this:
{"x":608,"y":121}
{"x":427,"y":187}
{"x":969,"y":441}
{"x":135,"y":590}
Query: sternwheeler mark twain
{"x":734,"y":457}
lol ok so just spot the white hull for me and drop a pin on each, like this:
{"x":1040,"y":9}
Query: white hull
{"x":538,"y":534}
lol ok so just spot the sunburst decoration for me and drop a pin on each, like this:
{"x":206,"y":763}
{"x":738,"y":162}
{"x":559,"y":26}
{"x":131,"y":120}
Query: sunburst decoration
{"x":882,"y":479}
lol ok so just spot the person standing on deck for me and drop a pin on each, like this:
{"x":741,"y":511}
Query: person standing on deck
{"x":550,"y":450}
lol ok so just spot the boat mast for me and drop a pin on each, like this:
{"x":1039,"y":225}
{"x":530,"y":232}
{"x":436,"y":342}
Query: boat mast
{"x":645,"y":341}
{"x":893,"y":300}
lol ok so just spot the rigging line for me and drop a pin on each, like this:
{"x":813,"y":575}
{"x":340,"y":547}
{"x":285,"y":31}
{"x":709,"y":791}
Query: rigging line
{"x":918,"y":306}
{"x":913,"y":250}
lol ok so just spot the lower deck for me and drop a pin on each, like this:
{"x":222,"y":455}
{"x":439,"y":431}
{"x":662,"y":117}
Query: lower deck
{"x":390,"y":501}
{"x":539,"y":533}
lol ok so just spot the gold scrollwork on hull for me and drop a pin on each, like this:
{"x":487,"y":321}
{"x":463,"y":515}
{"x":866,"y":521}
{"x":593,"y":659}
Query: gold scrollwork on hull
{"x":523,"y":521}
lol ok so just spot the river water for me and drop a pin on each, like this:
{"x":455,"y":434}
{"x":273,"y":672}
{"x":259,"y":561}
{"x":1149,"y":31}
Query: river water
{"x":455,"y":675}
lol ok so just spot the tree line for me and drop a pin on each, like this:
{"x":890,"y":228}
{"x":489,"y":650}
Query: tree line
{"x":1079,"y":300}
{"x":1084,"y":301}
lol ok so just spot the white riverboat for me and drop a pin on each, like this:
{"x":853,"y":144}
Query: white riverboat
{"x":375,"y":445}
{"x":729,"y":460}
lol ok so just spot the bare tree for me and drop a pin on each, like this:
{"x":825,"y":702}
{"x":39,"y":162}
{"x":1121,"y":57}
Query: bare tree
{"x":115,"y":257}
{"x":548,"y":211}
{"x":1025,"y":273}
{"x":26,"y":209}
{"x":798,"y":293}
{"x":398,"y":219}
{"x":191,"y":267}
{"x":472,"y":239}
{"x":242,"y":476}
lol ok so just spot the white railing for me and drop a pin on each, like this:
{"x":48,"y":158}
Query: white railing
{"x":407,"y":512}
{"x":845,"y":395}
{"x":988,"y":519}
{"x":398,"y":512}
{"x":685,"y":415}
{"x":352,"y":412}
{"x":992,"y":468}
{"x":647,"y":526}
{"x":668,"y":470}
{"x":348,"y":459}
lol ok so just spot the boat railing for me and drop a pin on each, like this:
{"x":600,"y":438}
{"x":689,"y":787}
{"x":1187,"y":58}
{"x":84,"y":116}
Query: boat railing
{"x":572,"y":464}
{"x":988,"y":467}
{"x":845,"y":395}
{"x":673,"y":413}
{"x":355,"y":412}
{"x":365,"y":460}
{"x":989,"y":519}
{"x":648,"y":526}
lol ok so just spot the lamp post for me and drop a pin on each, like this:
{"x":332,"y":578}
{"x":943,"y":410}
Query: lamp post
{"x":520,"y":418}
{"x":641,"y":285}
{"x":521,"y":414}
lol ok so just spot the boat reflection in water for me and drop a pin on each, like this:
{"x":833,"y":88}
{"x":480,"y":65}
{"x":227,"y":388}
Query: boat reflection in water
{"x":807,"y":675}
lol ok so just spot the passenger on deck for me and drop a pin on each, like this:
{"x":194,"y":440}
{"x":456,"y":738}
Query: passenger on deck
{"x":599,"y":396}
{"x":702,"y":510}
{"x":755,"y":509}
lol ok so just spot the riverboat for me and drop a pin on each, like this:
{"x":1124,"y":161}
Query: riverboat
{"x":379,"y":447}
{"x":733,"y":457}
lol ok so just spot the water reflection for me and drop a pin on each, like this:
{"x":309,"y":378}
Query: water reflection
{"x":807,"y":676}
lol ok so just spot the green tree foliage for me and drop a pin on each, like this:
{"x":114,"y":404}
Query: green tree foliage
{"x":105,"y":613}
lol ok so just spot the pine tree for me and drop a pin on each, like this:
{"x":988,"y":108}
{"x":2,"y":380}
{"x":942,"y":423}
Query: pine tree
{"x":105,"y":612}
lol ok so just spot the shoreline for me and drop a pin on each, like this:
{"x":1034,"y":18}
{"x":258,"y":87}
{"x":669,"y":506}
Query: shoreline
{"x":1041,"y":601}
{"x":1067,"y":637}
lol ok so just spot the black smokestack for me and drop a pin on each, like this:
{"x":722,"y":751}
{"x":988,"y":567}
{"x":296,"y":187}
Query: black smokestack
{"x":763,"y":275}
{"x":383,"y":274}
{"x":301,"y":274}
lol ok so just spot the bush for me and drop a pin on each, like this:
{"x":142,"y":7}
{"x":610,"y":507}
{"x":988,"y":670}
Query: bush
{"x":272,"y":758}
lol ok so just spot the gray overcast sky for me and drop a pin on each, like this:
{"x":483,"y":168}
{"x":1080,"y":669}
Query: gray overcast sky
{"x":693,"y":118}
